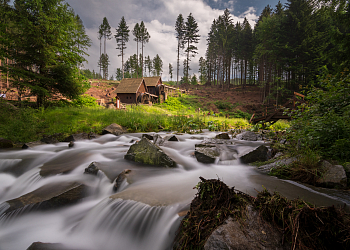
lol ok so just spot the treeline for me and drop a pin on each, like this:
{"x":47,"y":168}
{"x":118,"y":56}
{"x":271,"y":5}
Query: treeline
{"x":285,"y":52}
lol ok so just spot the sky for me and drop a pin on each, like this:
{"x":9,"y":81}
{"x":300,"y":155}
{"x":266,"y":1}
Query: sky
{"x":159,"y":17}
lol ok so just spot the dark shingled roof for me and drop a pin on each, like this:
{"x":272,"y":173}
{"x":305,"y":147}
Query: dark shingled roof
{"x":129,"y":85}
{"x":152,"y":81}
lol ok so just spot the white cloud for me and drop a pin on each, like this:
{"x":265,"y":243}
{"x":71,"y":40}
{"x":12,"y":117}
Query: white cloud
{"x":159,"y":17}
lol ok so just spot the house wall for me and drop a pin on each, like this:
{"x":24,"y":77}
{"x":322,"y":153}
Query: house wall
{"x":127,"y":98}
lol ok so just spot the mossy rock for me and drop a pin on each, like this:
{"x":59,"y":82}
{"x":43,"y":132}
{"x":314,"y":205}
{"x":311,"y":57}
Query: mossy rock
{"x":146,"y":152}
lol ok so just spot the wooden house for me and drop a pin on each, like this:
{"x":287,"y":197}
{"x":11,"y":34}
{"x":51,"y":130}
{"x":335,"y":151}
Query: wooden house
{"x":132,"y":90}
{"x":154,"y":85}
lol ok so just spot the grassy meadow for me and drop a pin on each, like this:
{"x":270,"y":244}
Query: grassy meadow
{"x":28,"y":124}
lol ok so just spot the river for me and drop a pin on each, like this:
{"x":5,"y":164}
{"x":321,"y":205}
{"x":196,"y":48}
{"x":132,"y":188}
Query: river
{"x":143,"y":214}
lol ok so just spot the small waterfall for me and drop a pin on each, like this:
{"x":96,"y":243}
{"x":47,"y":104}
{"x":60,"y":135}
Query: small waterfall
{"x":126,"y":224}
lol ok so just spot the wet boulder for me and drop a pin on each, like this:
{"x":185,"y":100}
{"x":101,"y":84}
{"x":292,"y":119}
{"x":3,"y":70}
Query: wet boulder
{"x":47,"y":197}
{"x":63,"y":165}
{"x":224,"y":136}
{"x":252,"y":233}
{"x":122,"y":177}
{"x":258,"y":154}
{"x":4,"y":143}
{"x":249,"y":136}
{"x":206,"y":153}
{"x":114,"y":129}
{"x":146,"y":152}
{"x":333,"y":176}
{"x":92,"y":169}
{"x":282,"y":162}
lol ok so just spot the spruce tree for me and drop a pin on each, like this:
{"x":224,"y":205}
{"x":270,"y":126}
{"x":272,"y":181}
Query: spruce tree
{"x":157,"y":65}
{"x":191,"y":37}
{"x":122,"y":37}
{"x":180,"y":33}
{"x":144,"y":38}
{"x":136,"y":33}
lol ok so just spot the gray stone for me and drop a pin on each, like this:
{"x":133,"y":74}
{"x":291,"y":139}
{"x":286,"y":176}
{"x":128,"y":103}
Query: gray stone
{"x":158,"y":140}
{"x":49,"y":246}
{"x":249,"y":136}
{"x":71,"y":144}
{"x":333,"y":175}
{"x":5,"y":143}
{"x":47,"y":197}
{"x":120,"y":179}
{"x":258,"y":154}
{"x":114,"y":129}
{"x":253,"y":233}
{"x":206,"y":154}
{"x":92,"y":169}
{"x":224,"y":136}
{"x":146,"y":152}
{"x":283,"y":162}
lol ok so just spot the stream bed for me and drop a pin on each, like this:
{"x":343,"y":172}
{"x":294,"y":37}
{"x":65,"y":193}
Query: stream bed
{"x":142,"y":214}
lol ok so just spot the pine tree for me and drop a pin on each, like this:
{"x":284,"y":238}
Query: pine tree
{"x":202,"y":70}
{"x":136,"y":32}
{"x":157,"y":65}
{"x":171,"y":71}
{"x":103,"y":63}
{"x":191,"y":37}
{"x":144,"y":38}
{"x":148,"y":64}
{"x":180,"y":33}
{"x":122,"y":37}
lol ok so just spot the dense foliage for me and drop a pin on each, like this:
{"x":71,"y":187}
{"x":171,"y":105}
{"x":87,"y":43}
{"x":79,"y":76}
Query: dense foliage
{"x":285,"y":50}
{"x":45,"y":42}
{"x":324,"y":124}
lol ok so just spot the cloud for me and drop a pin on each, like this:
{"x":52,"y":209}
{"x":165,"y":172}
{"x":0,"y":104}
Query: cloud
{"x":159,"y":17}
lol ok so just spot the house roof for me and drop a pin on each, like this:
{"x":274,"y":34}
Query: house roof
{"x":152,"y":81}
{"x":129,"y":85}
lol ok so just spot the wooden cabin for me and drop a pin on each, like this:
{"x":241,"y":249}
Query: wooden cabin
{"x":132,"y":90}
{"x":154,"y":85}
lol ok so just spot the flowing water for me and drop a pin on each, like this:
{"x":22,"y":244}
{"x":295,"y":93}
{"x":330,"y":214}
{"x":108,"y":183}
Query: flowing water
{"x":143,"y":213}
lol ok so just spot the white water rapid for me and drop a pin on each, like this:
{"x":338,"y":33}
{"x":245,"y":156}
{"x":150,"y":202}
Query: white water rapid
{"x":142,"y":214}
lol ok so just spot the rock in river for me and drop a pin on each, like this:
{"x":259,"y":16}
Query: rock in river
{"x":146,"y":152}
{"x":206,"y":153}
{"x":114,"y":129}
{"x":46,"y":197}
{"x":258,"y":154}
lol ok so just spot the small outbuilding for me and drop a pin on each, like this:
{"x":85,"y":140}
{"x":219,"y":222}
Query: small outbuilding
{"x":154,"y":85}
{"x":132,"y":90}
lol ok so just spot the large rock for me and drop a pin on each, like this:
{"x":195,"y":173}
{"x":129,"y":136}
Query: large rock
{"x":50,"y":196}
{"x":249,"y":136}
{"x":224,"y":136}
{"x":253,"y":233}
{"x":146,"y":152}
{"x":63,"y":165}
{"x":206,"y":153}
{"x":334,"y":176}
{"x":258,"y":154}
{"x":4,"y":143}
{"x":114,"y":129}
{"x":283,"y":162}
